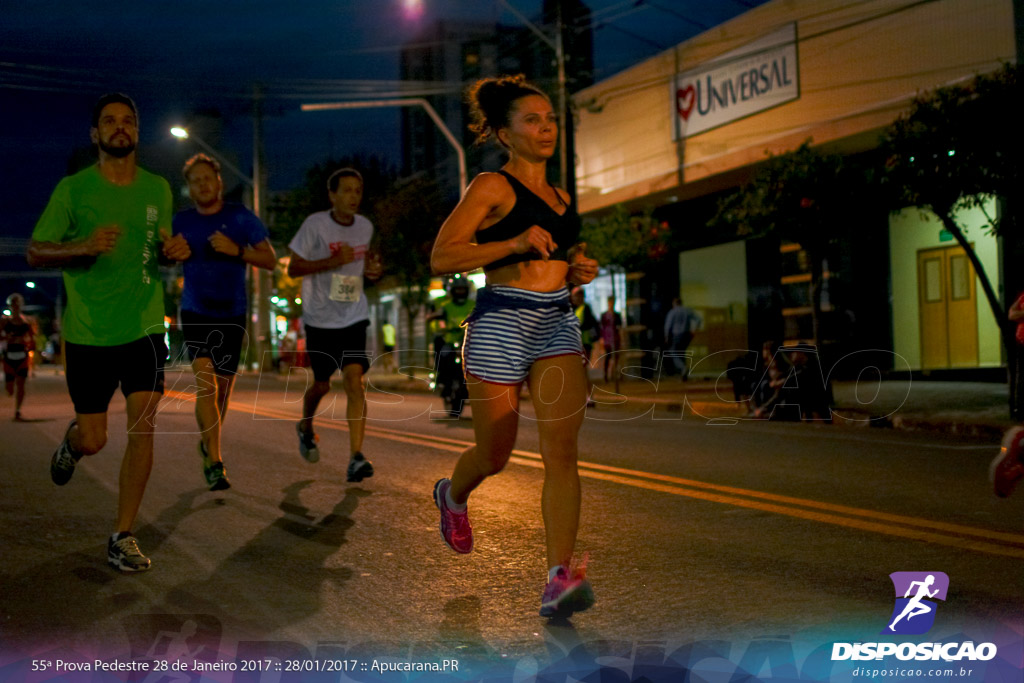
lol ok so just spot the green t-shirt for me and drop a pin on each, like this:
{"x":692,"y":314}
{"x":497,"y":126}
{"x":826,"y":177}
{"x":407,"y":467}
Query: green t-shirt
{"x":118,"y":298}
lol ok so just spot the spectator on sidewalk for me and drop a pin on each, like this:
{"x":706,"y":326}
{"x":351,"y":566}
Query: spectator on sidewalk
{"x":744,"y":371}
{"x":611,"y":339}
{"x":680,"y":325}
{"x":806,"y":386}
{"x":590,"y":331}
{"x":768,"y":390}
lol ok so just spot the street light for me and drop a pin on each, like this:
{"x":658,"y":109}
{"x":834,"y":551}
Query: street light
{"x":183,"y":134}
{"x":404,"y":102}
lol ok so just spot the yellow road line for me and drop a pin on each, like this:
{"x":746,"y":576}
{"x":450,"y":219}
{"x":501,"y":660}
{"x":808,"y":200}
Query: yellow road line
{"x":902,"y":532}
{"x":877,"y":522}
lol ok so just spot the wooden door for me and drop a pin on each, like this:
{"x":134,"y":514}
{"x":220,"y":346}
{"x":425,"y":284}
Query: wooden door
{"x":947,"y":295}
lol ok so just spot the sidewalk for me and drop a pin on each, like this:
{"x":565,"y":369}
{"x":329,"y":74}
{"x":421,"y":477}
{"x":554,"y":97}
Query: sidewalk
{"x":970,"y":409}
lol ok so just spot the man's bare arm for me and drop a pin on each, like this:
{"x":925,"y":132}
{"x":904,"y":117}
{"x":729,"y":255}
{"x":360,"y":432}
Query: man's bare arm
{"x":59,"y":254}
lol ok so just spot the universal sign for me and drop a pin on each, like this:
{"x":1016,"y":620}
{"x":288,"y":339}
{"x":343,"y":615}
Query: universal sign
{"x":745,"y":81}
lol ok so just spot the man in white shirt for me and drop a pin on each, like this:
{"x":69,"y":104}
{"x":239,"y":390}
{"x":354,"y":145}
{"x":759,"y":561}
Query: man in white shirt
{"x":330,"y":252}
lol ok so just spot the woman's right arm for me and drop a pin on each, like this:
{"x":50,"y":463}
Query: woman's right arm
{"x":456,"y":252}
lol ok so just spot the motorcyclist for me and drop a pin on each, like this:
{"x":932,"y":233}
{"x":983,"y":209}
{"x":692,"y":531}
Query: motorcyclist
{"x":455,"y":308}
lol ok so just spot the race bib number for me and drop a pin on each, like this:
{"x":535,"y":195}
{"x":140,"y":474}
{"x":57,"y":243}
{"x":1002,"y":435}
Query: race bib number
{"x":346,"y":288}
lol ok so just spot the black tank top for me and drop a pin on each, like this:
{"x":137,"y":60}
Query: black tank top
{"x":16,"y":333}
{"x":530,"y":210}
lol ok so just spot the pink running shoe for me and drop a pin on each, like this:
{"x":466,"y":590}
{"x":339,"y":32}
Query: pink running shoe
{"x":1008,"y":467}
{"x":455,"y":528}
{"x":568,"y":592}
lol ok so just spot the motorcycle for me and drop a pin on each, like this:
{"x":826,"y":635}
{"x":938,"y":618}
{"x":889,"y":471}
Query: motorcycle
{"x":452,"y":379}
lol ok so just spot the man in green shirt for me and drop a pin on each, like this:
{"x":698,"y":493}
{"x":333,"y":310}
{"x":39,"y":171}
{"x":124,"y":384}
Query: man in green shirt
{"x":106,"y":227}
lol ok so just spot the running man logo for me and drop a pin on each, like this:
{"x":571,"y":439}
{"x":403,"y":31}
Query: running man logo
{"x":914,"y":611}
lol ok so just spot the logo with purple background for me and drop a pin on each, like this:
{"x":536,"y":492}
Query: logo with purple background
{"x":916,"y":592}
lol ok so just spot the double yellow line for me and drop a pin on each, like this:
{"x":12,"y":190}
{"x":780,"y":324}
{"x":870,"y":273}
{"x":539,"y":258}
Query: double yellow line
{"x":901,"y":526}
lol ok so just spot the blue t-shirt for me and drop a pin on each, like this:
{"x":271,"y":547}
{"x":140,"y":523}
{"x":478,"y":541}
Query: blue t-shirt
{"x":215,"y":282}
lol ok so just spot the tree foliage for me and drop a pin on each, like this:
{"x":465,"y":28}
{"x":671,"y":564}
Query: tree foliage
{"x":628,"y":240}
{"x":802,"y":196}
{"x":956,"y":146}
{"x":954,"y":149}
{"x":408,"y":222}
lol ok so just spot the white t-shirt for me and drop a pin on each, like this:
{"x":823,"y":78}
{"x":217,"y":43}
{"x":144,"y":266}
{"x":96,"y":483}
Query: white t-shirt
{"x":333,"y":298}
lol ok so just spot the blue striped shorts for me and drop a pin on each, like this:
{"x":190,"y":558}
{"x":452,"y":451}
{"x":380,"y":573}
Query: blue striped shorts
{"x":503,"y":341}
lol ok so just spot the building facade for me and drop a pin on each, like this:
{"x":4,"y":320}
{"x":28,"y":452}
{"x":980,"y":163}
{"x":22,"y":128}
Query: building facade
{"x":676,"y":131}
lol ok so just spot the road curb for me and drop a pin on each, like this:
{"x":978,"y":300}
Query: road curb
{"x":717,"y":409}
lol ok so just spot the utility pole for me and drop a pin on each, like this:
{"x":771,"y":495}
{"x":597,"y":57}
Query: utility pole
{"x":261,"y":280}
{"x":564,"y":115}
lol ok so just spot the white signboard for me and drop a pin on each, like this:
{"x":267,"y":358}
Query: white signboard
{"x":747,"y":80}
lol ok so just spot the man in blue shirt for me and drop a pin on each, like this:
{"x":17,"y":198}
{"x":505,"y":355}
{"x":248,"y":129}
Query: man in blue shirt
{"x":680,"y":325}
{"x":225,"y":239}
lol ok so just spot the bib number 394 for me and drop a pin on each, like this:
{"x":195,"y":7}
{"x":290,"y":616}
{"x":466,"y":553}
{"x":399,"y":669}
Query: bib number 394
{"x":346,"y":288}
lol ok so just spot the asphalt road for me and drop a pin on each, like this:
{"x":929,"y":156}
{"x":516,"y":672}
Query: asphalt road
{"x":696,"y":533}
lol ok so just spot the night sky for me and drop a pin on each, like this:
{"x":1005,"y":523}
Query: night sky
{"x":198,"y":62}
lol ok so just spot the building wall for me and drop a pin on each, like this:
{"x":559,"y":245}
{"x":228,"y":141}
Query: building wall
{"x":912,"y":230}
{"x":859,"y":66}
{"x":712,"y":281}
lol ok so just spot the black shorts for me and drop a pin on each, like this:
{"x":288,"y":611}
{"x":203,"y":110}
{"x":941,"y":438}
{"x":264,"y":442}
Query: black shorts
{"x":219,"y":339}
{"x":331,"y":349}
{"x":16,"y":367}
{"x":94,"y":372}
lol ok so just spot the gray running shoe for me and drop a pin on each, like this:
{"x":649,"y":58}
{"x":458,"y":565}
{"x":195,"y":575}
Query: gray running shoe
{"x":124,"y":554}
{"x":62,"y":465}
{"x":307,"y":444}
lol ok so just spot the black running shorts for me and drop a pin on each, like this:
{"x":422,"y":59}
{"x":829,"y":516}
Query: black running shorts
{"x":219,"y":339}
{"x":331,"y":349}
{"x":94,"y":372}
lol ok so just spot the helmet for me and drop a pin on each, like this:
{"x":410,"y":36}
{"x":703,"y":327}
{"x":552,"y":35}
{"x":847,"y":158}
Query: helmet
{"x":458,"y":288}
{"x":15,"y":297}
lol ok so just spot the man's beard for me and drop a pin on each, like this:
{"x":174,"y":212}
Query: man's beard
{"x":119,"y":152}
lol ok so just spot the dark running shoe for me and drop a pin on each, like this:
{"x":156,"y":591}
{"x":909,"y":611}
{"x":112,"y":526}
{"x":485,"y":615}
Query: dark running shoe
{"x":216,"y":477}
{"x":455,"y":527}
{"x":123,"y":553}
{"x":307,"y":444}
{"x":62,"y":465}
{"x":359,"y":468}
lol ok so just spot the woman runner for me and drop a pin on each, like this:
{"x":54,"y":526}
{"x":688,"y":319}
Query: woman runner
{"x":520,"y":229}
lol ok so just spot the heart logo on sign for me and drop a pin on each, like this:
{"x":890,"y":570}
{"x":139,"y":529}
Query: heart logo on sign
{"x":685,"y":99}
